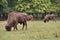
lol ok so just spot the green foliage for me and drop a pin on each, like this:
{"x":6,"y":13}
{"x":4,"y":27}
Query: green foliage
{"x":32,"y":6}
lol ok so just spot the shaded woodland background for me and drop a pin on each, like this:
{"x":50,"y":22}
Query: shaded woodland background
{"x":33,"y":7}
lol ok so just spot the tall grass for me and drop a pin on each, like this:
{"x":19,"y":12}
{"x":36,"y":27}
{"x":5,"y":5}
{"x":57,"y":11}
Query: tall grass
{"x":37,"y":30}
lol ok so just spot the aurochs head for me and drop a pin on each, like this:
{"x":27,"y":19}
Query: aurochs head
{"x":8,"y":27}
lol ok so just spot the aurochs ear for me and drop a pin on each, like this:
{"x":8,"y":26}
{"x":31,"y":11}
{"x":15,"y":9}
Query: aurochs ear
{"x":8,"y":28}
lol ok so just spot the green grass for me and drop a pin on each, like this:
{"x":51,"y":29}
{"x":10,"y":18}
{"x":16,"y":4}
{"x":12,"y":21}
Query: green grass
{"x":37,"y":30}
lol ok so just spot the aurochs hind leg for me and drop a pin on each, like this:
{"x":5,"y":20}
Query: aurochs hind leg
{"x":24,"y":24}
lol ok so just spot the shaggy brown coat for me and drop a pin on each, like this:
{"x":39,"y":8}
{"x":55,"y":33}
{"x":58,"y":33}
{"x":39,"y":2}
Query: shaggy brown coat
{"x":14,"y":18}
{"x":49,"y":17}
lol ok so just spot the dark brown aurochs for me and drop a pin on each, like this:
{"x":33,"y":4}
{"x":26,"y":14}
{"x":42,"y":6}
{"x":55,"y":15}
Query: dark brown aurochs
{"x":49,"y":17}
{"x":17,"y":17}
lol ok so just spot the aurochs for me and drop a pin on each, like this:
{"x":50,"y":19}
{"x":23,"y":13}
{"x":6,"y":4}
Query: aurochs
{"x":17,"y":17}
{"x":49,"y":17}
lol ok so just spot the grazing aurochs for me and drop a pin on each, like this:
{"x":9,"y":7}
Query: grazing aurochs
{"x":49,"y":17}
{"x":16,"y":17}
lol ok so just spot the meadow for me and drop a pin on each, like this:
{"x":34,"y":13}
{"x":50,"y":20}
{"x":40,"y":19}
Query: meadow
{"x":37,"y":30}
